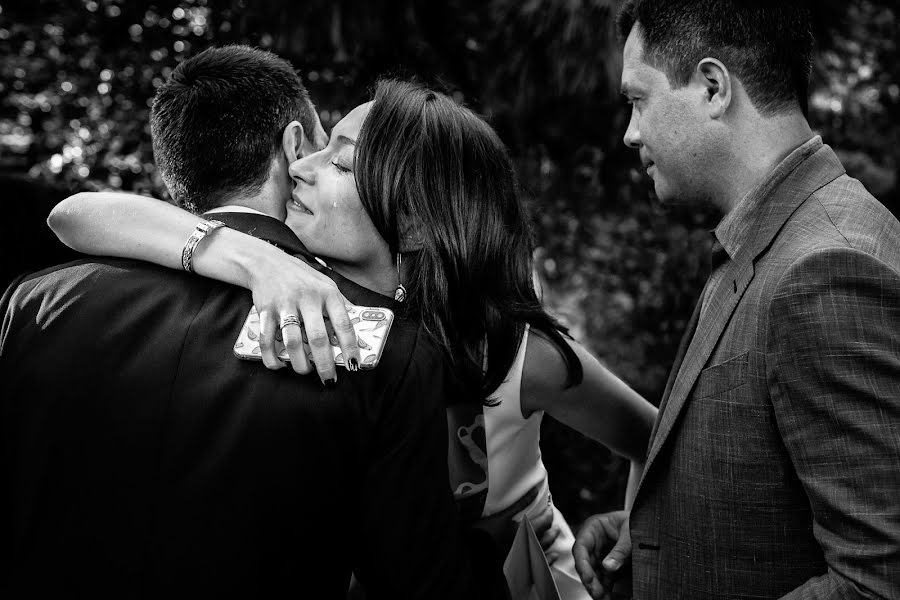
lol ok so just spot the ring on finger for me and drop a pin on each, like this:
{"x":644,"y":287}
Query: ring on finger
{"x":289,"y":320}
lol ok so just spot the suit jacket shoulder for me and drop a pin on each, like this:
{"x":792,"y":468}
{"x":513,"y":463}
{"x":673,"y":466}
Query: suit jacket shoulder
{"x":127,"y":420}
{"x":861,"y":220}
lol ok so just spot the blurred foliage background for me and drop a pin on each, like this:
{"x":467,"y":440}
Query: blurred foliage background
{"x":77,"y":78}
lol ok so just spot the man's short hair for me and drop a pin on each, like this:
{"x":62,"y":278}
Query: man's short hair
{"x":766,"y":44}
{"x":218,"y":121}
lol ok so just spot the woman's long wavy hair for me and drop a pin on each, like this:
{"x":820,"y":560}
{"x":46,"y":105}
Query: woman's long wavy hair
{"x":433,"y":175}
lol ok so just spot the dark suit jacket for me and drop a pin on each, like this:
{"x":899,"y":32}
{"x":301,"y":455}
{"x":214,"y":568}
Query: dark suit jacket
{"x":774,"y":469}
{"x":141,"y":459}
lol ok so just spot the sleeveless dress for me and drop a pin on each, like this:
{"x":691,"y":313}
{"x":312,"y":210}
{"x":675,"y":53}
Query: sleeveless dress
{"x":498,"y":476}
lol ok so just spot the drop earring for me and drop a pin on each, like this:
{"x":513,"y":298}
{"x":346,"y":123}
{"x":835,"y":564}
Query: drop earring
{"x":400,"y":292}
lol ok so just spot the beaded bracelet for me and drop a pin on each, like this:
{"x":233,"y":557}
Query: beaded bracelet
{"x":203,"y":229}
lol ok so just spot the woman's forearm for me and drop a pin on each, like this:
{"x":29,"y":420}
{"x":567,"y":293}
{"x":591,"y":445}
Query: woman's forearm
{"x":124,"y":225}
{"x":635,"y":472}
{"x":602,"y":406}
{"x":132,"y":226}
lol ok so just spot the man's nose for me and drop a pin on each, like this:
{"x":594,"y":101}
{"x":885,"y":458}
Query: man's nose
{"x":632,"y":134}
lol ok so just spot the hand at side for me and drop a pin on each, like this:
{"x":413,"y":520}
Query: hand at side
{"x":602,"y":552}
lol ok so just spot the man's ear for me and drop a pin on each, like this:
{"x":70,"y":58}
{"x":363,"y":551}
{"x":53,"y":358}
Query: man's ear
{"x":292,"y":141}
{"x":296,"y":144}
{"x":715,"y":79}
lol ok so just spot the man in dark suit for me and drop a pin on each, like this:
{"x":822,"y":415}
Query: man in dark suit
{"x":774,"y":467}
{"x":140,"y":458}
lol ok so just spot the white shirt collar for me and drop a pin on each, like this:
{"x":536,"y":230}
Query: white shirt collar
{"x":234,"y":208}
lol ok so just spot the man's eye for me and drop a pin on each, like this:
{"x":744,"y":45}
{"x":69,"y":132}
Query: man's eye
{"x":341,"y":168}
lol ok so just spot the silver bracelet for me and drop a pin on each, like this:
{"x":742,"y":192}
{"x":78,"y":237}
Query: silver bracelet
{"x":203,"y":229}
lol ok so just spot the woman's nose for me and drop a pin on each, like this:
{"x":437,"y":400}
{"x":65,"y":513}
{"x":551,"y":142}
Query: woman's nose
{"x":302,"y":169}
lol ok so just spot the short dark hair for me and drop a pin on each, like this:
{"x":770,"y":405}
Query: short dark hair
{"x":424,"y":159}
{"x":218,"y":121}
{"x":767,"y":44}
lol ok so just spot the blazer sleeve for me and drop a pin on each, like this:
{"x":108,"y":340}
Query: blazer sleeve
{"x":412,"y":544}
{"x":5,"y":313}
{"x":833,"y":356}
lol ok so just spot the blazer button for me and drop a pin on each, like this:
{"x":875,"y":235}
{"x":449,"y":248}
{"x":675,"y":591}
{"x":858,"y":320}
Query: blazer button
{"x":646,"y":546}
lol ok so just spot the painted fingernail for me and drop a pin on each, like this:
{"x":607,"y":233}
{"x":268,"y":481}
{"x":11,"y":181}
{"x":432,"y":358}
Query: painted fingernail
{"x":354,"y":364}
{"x":610,"y":564}
{"x":329,"y":383}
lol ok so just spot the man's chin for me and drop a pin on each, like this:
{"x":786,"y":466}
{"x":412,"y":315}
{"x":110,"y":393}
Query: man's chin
{"x":699,"y":211}
{"x":661,"y":194}
{"x":667,"y":196}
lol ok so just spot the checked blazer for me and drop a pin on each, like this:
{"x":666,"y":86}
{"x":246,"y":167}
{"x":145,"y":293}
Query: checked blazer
{"x":774,"y":467}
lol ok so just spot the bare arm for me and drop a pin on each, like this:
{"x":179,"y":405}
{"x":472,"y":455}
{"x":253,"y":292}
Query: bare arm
{"x":601,"y":407}
{"x":635,"y":472}
{"x":132,"y":226}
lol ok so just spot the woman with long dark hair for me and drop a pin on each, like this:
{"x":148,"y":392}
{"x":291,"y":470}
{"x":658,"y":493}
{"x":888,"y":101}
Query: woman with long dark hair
{"x":453,"y":246}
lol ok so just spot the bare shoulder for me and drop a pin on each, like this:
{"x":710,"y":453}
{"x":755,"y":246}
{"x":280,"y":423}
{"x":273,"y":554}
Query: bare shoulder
{"x":544,"y":373}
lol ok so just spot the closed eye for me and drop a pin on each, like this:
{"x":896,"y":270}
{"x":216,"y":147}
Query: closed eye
{"x":341,"y":168}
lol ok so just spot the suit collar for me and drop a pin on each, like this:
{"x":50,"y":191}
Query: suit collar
{"x":761,"y":222}
{"x":235,"y":208}
{"x":748,"y":229}
{"x":815,"y":171}
{"x":280,"y":235}
{"x":731,"y":232}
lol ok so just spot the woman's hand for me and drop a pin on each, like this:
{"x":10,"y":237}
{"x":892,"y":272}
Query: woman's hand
{"x":284,"y":285}
{"x":546,"y":531}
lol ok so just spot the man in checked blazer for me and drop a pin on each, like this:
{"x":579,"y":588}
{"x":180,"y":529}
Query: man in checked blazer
{"x":774,"y":467}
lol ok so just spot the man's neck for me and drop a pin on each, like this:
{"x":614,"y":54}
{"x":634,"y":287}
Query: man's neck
{"x":758,"y":150}
{"x":269,"y":201}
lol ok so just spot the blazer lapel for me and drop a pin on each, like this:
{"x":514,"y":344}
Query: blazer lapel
{"x":766,"y":219}
{"x":723,"y":299}
{"x":679,"y":360}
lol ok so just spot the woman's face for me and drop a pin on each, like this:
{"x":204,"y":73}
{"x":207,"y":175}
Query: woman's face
{"x":325,"y":211}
